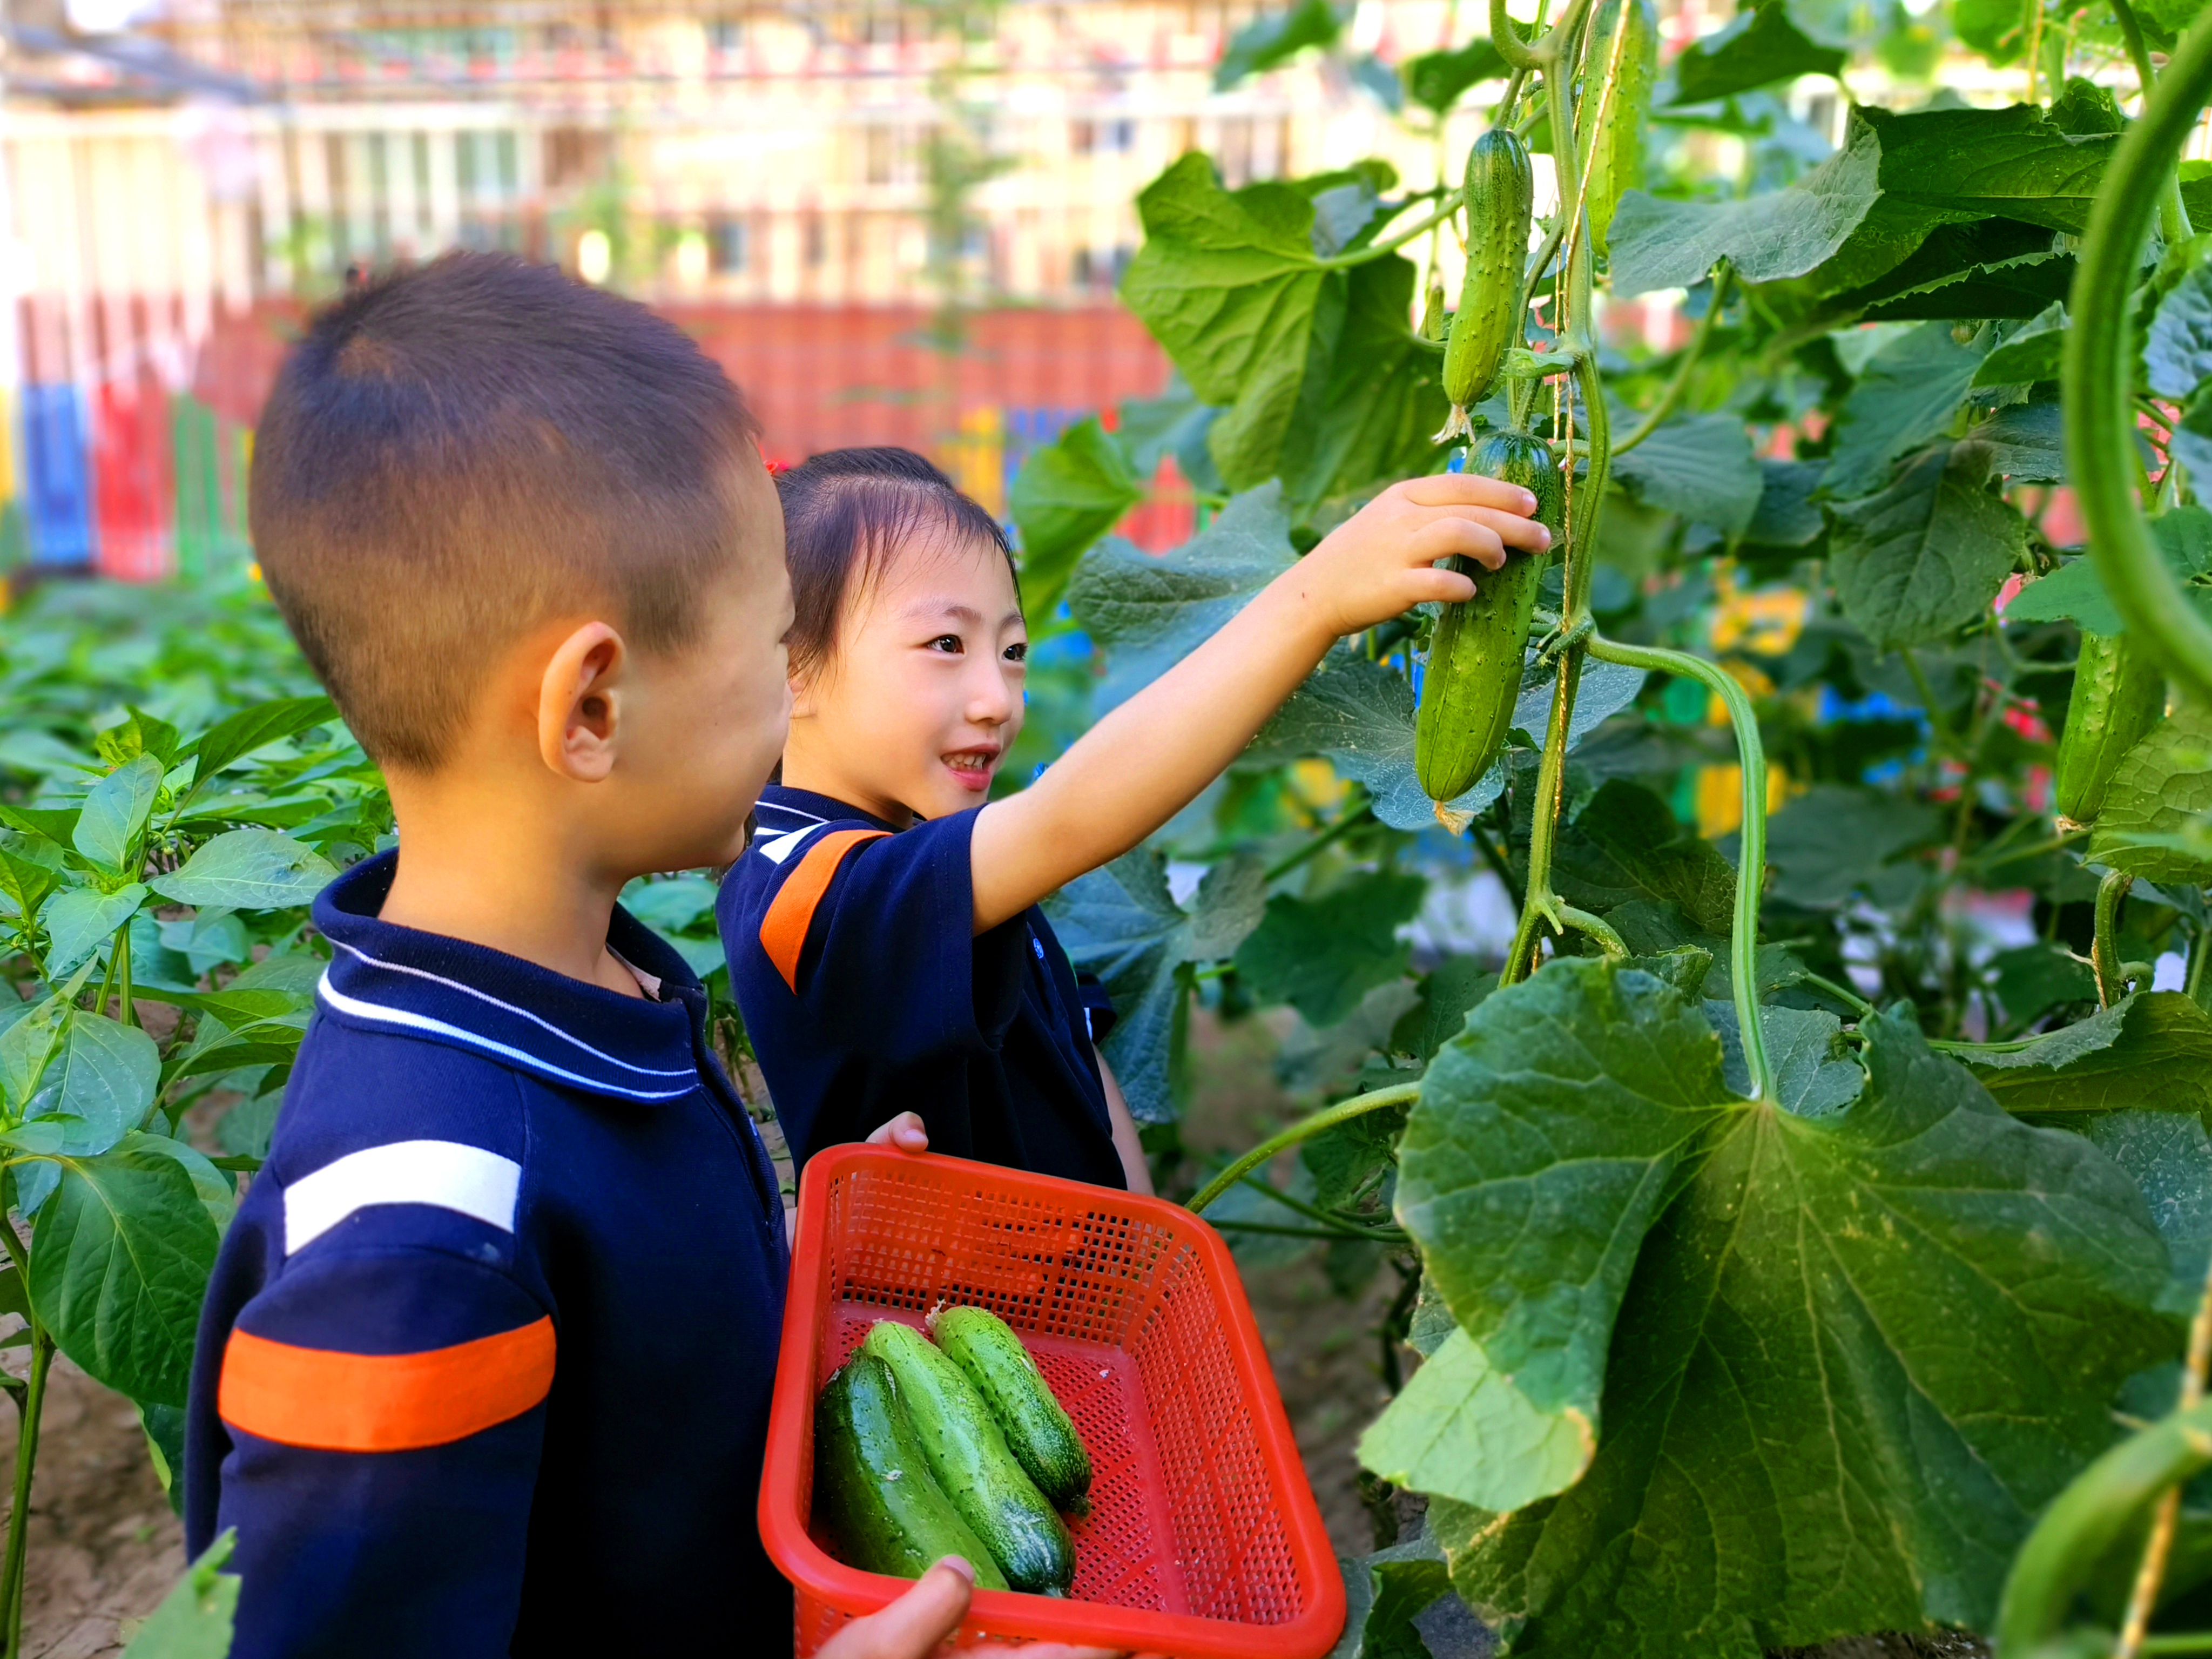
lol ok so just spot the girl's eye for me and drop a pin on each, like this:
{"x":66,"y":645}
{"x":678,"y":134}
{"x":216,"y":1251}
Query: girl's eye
{"x":950,"y":644}
{"x":1018,"y":652}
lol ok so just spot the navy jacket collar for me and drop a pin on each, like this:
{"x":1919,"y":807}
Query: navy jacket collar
{"x":579,"y":1036}
{"x":783,"y":809}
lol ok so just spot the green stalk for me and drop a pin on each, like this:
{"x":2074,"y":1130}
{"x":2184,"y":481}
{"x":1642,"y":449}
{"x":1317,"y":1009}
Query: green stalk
{"x":2200,"y":952}
{"x":1328,"y":837}
{"x":1672,"y":397}
{"x":2172,"y":213}
{"x":2105,"y":951}
{"x":1538,"y":902}
{"x":1395,"y":240}
{"x":1751,"y":862}
{"x":1506,"y":37}
{"x":29,"y":1411}
{"x":2097,"y":379}
{"x":123,"y":971}
{"x":1398,"y":1094}
{"x":1313,"y":1213}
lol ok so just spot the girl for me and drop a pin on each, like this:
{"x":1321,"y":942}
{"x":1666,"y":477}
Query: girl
{"x":883,"y":931}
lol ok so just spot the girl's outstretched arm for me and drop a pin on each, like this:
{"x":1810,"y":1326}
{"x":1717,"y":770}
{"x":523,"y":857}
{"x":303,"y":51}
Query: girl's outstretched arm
{"x":1148,"y":759}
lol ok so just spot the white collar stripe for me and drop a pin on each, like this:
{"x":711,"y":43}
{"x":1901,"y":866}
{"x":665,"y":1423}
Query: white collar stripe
{"x":782,"y":847}
{"x":505,"y":1008}
{"x":446,"y":1174}
{"x":400,"y":1017}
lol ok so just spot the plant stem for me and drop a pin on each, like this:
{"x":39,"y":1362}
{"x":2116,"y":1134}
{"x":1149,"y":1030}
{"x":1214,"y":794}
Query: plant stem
{"x":123,"y":972}
{"x":1506,"y":38}
{"x":1274,"y":1230}
{"x":2104,"y":951}
{"x":1751,"y":862}
{"x":2200,"y":952}
{"x":27,"y":1452}
{"x":2152,"y":1573}
{"x":1315,"y":1213}
{"x":1597,"y":929}
{"x":1537,"y":901}
{"x":2097,"y":381}
{"x":1306,"y":1128}
{"x":1669,"y":399}
{"x":1395,"y":240}
{"x":2055,"y":844}
{"x":1335,"y":832}
{"x":1843,"y":994}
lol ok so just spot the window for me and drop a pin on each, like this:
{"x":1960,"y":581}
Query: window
{"x":729,"y":244}
{"x":817,"y":241}
{"x":882,"y":150}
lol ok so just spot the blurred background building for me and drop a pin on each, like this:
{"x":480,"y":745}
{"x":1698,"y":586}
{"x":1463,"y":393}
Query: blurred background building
{"x":891,"y":224}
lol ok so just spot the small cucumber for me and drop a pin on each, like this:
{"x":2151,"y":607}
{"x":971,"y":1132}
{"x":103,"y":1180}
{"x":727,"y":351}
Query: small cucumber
{"x":1038,"y":1431}
{"x":970,"y":1457}
{"x":1500,"y":194}
{"x":2119,"y":693}
{"x":1474,"y":673}
{"x":1609,"y":125}
{"x":873,"y":1487}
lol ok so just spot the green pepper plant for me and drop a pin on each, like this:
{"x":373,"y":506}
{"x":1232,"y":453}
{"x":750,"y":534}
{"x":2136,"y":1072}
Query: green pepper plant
{"x":1815,"y":1187}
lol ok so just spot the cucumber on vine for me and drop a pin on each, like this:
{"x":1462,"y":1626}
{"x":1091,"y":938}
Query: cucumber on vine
{"x":1500,"y":195}
{"x":2119,"y":693}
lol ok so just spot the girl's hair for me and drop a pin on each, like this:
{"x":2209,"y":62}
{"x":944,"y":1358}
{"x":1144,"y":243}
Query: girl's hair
{"x":846,"y":510}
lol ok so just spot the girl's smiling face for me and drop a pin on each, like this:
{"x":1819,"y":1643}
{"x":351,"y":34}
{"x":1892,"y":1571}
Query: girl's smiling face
{"x":920,"y":697}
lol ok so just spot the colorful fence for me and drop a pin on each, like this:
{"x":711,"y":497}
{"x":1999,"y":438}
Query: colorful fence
{"x":136,"y":479}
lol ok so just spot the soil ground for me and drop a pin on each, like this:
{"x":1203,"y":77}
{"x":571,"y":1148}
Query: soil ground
{"x":105,"y":1546}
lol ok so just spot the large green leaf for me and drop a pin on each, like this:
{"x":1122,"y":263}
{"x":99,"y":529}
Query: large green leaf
{"x":1276,"y":37}
{"x":115,"y":813}
{"x":1121,"y":923}
{"x":1623,"y":845}
{"x":2153,"y":1051}
{"x":2029,"y":355}
{"x":2168,"y":1156}
{"x":1990,"y":163}
{"x":1384,"y":1592}
{"x":1149,"y":613}
{"x":1700,"y":466}
{"x":193,"y":1620}
{"x":102,"y":1079}
{"x":1760,"y":47}
{"x":255,"y":728}
{"x":1844,"y":1360}
{"x":1907,"y":394}
{"x":1659,"y":243}
{"x":2075,"y":593}
{"x":1928,"y":553}
{"x":1227,"y":284}
{"x":25,"y":884}
{"x":1460,"y":1429}
{"x":78,"y":922}
{"x":1322,"y":956}
{"x":120,"y":1263}
{"x":2177,"y":356}
{"x":249,"y":870}
{"x":1067,"y":495}
{"x":2150,"y":822}
{"x":1435,"y":80}
{"x":1831,"y":842}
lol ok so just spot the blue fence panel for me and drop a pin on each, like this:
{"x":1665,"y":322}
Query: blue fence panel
{"x":56,"y":482}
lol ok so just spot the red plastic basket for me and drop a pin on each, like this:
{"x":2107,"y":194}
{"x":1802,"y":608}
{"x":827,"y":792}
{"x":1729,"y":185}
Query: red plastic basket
{"x":1203,"y":1539}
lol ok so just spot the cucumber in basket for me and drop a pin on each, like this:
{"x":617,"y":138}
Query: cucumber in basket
{"x":968,"y":1456}
{"x":1038,"y":1431}
{"x":872,"y":1484}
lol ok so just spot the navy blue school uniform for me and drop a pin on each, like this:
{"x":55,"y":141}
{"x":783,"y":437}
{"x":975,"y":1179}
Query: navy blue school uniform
{"x":867,"y":993}
{"x":485,"y":1365}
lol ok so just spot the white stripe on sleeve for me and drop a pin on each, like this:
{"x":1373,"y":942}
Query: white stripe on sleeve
{"x":445,"y":1173}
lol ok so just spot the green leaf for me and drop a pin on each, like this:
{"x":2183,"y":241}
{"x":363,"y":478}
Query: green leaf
{"x":115,"y":813}
{"x":2073,"y":591}
{"x":1435,"y":80}
{"x":249,"y":870}
{"x":231,"y":740}
{"x":1998,"y":29}
{"x":120,"y":1263}
{"x":2153,"y":1051}
{"x":2162,"y":788}
{"x":29,"y":1042}
{"x":1832,"y":841}
{"x":1853,"y":1355}
{"x":1067,"y":495}
{"x":674,"y":905}
{"x":1786,"y":516}
{"x":1757,"y":49}
{"x":1322,"y":956}
{"x":1276,"y":37}
{"x":2082,"y":107}
{"x":1344,"y":1160}
{"x":1227,"y":284}
{"x":81,"y":920}
{"x":2177,"y":356}
{"x":1460,"y":1429}
{"x":1806,"y":1049}
{"x":1907,"y":394}
{"x":263,"y":1043}
{"x":1625,"y":845}
{"x":2032,"y":980}
{"x":1148,"y":613}
{"x":1658,"y":243}
{"x":2030,"y":355}
{"x":2169,"y":1157}
{"x":1928,"y":553}
{"x":103,"y":1077}
{"x":26,"y":882}
{"x":2027,"y":441}
{"x":55,"y":824}
{"x":1384,"y":1592}
{"x":193,"y":1620}
{"x":1700,"y":466}
{"x":2008,"y":163}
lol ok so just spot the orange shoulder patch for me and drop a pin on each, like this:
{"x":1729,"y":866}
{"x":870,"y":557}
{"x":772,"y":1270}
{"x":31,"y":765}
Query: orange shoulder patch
{"x":382,"y":1402}
{"x":783,"y":929}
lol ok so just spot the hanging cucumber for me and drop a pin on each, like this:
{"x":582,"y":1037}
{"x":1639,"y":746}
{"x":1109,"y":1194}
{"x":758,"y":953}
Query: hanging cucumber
{"x":872,"y":1488}
{"x":1038,"y":1431}
{"x":1474,"y":673}
{"x":2119,"y":693}
{"x":1500,"y":195}
{"x":968,"y":1456}
{"x":1611,"y":144}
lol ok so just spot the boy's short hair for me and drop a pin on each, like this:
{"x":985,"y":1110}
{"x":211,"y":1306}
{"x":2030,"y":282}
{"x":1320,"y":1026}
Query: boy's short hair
{"x":455,"y":453}
{"x":845,"y":511}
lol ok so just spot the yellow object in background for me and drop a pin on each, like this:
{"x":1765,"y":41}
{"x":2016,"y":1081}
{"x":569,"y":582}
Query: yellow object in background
{"x":976,"y":459}
{"x":1720,"y":797}
{"x":1765,"y":622}
{"x":1315,"y":783}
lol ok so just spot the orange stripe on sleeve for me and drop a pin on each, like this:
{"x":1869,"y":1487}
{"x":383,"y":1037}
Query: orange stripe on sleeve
{"x":783,"y":929}
{"x":382,"y":1402}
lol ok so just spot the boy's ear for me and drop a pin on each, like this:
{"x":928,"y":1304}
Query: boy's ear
{"x":579,"y":704}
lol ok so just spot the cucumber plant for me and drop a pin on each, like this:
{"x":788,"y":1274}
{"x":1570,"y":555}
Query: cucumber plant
{"x":1786,"y":1213}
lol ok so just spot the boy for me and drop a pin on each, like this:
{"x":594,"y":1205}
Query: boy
{"x":485,"y":1364}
